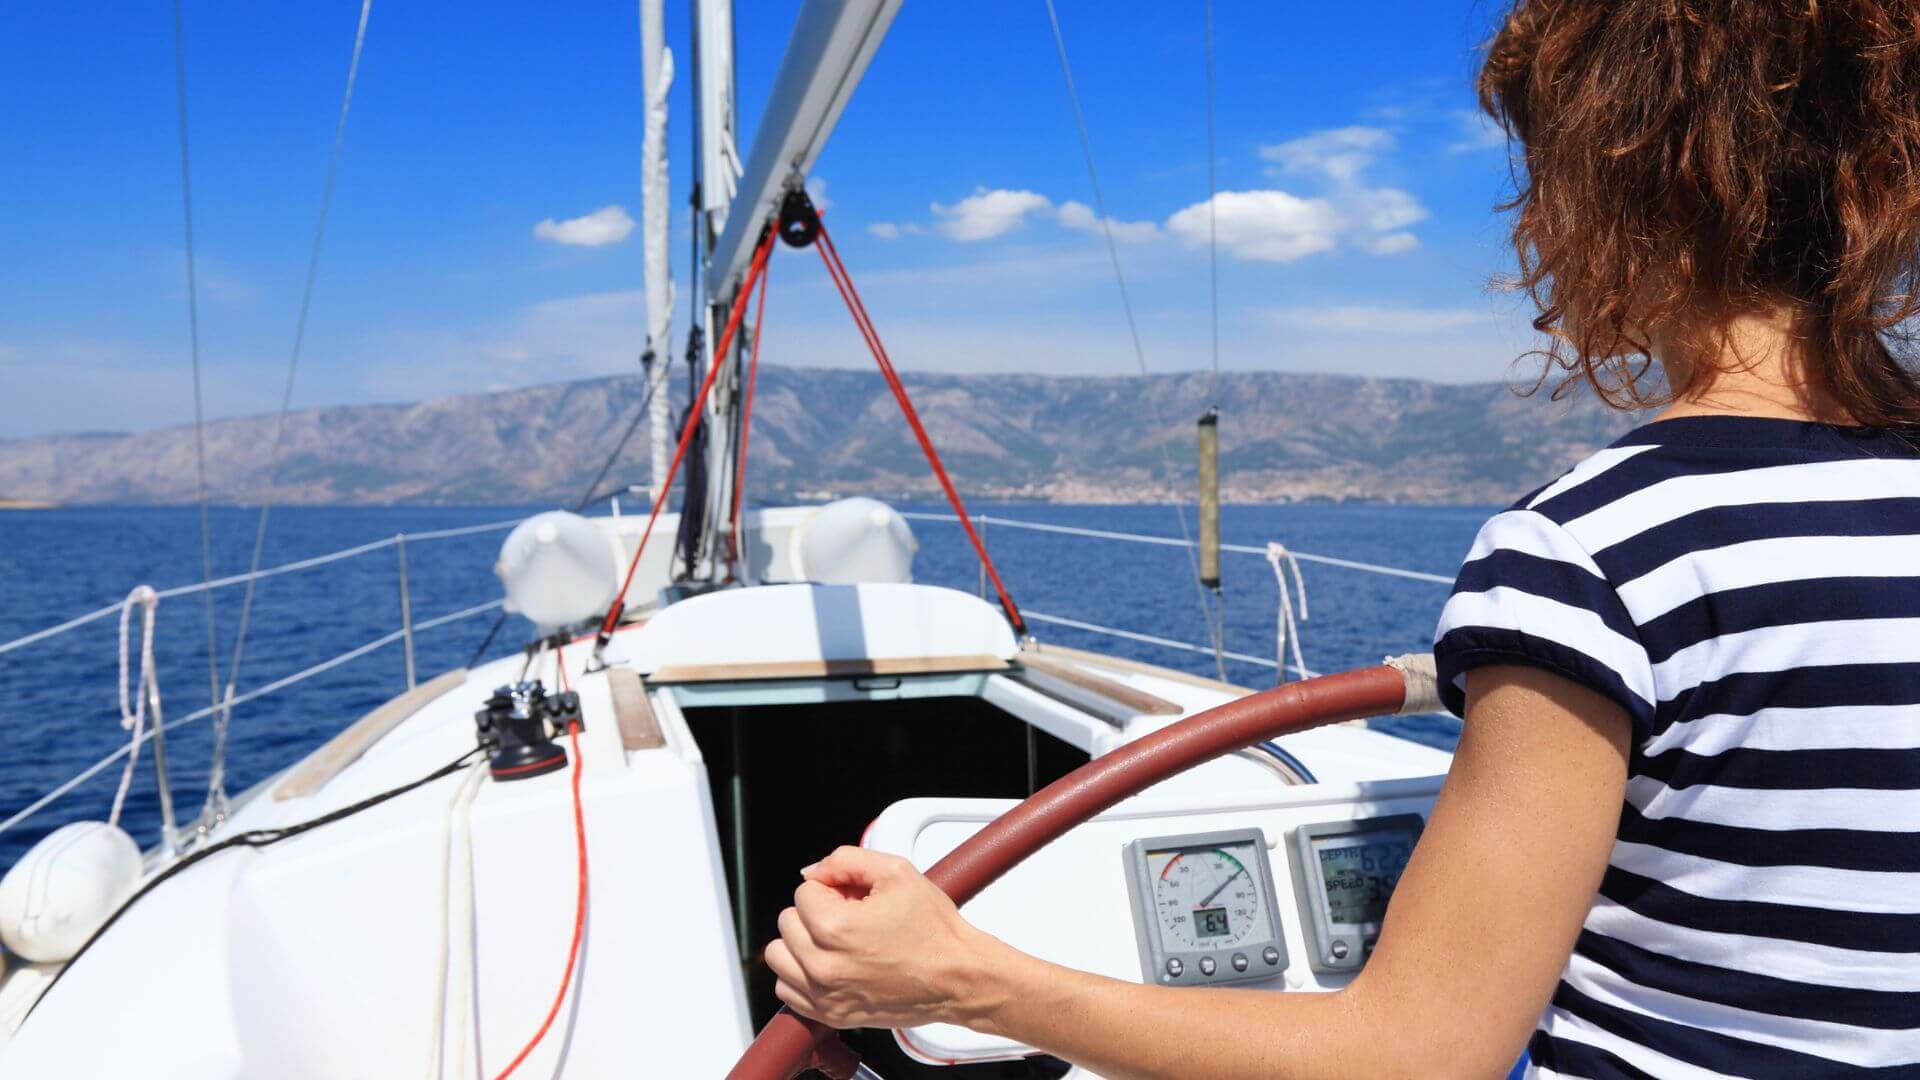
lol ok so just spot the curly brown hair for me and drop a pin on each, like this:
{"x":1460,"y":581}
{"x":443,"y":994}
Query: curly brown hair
{"x":1688,"y":160}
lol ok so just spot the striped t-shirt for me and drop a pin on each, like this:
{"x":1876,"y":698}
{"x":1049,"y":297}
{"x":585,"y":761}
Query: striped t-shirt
{"x":1749,"y":591}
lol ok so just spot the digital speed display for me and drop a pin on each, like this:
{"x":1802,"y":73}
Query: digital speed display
{"x":1345,"y":873}
{"x":1211,"y":922}
{"x":1358,"y":874}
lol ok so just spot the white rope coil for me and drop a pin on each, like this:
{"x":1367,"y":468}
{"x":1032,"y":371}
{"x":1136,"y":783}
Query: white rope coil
{"x":135,"y":705}
{"x":1286,"y":626}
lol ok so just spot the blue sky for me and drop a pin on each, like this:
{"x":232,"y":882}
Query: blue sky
{"x":1357,"y":229}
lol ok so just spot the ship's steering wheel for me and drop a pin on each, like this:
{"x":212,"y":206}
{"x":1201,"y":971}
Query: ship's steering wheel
{"x":790,"y":1044}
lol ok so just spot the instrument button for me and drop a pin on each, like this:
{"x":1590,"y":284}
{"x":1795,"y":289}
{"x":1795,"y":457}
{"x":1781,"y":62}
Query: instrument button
{"x":1271,"y":956}
{"x":1175,"y":968}
{"x":1207,"y":966}
{"x":1340,"y":950}
{"x":1239,"y":961}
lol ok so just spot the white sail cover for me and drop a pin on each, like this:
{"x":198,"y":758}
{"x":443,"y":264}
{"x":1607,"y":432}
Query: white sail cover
{"x":656,"y":70}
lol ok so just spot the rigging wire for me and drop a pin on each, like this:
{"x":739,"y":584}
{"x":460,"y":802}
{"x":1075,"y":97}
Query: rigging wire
{"x":591,"y":495}
{"x":193,"y":338}
{"x":737,"y":539}
{"x":215,"y":808}
{"x":843,"y":281}
{"x":1213,"y":325}
{"x":1213,"y":224}
{"x":1214,"y":630}
{"x":687,"y":429}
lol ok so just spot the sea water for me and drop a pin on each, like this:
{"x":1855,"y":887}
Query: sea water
{"x":60,"y":696}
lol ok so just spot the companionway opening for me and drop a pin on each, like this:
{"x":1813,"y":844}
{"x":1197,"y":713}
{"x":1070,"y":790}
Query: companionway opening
{"x":792,"y":781}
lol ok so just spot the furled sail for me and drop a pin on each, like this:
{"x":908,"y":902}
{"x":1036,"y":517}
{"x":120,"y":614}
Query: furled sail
{"x":656,"y":72}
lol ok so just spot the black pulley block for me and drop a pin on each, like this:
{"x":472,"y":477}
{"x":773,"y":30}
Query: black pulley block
{"x":799,"y":221}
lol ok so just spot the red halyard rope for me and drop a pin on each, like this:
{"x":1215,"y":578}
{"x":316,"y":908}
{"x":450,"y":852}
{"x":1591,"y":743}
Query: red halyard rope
{"x":580,"y":897}
{"x":844,"y":282}
{"x":754,"y":271}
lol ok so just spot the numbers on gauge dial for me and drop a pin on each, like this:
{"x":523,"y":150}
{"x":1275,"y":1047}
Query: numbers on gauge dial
{"x":1204,"y":899}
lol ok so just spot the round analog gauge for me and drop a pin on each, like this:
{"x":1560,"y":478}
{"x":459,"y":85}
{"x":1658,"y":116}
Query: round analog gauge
{"x":1206,"y":898}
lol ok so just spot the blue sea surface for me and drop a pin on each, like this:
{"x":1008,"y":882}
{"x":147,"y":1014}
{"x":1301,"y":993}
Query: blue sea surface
{"x":60,"y":695}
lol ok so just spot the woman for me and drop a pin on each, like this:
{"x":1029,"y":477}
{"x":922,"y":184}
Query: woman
{"x":1681,"y":834}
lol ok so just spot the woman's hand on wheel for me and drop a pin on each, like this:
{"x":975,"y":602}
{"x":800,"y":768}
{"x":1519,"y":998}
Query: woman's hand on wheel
{"x":869,"y":942}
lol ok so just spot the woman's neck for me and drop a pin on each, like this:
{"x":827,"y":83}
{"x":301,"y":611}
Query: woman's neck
{"x":1761,"y":365}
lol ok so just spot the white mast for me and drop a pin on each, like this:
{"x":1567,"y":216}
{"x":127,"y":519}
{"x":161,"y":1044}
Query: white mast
{"x":831,"y":45}
{"x":719,"y":177}
{"x":656,"y":72}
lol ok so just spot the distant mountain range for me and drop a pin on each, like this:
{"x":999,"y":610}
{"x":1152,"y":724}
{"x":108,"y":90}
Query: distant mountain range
{"x":1071,"y":439}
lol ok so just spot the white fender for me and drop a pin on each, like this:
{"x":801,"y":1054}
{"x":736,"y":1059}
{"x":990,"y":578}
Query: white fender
{"x":65,"y":887}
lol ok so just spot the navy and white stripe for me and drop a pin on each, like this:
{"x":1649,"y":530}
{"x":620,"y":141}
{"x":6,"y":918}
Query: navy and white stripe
{"x":1748,"y":590}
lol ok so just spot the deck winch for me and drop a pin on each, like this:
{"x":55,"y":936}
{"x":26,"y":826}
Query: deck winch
{"x":513,"y":729}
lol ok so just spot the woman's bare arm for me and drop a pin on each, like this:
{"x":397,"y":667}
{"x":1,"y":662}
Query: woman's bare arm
{"x":1479,"y":929}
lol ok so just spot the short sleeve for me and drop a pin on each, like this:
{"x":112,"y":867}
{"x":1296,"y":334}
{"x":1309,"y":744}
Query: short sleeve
{"x":1529,"y":594}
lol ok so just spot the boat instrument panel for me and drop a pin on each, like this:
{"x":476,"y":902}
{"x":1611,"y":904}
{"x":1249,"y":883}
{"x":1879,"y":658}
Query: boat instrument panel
{"x":1280,"y":890}
{"x":1206,"y":912}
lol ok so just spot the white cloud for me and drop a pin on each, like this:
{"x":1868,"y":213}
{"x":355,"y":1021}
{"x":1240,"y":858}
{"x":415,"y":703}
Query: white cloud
{"x":607,"y":225}
{"x":1382,"y":209}
{"x":1477,"y":131}
{"x":1263,"y":226}
{"x":986,"y":214}
{"x":885,"y":230}
{"x":817,"y":191}
{"x":1075,"y":215}
{"x":1389,"y":243}
{"x":1374,"y":321}
{"x":1341,"y":153}
{"x":1273,"y":225}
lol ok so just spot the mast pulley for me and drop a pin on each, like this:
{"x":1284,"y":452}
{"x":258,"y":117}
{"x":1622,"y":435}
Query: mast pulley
{"x":799,"y":221}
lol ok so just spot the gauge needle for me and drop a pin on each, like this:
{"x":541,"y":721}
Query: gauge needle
{"x":1222,"y":887}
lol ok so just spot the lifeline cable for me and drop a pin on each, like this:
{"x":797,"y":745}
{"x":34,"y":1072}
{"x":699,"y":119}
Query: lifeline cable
{"x":253,"y":838}
{"x":699,"y":402}
{"x":580,"y":897}
{"x":844,"y":282}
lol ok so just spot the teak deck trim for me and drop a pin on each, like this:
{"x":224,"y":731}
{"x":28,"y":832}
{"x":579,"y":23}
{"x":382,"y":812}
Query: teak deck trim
{"x":818,"y":669}
{"x":632,"y":712}
{"x":1116,"y":663}
{"x":1132,"y":699}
